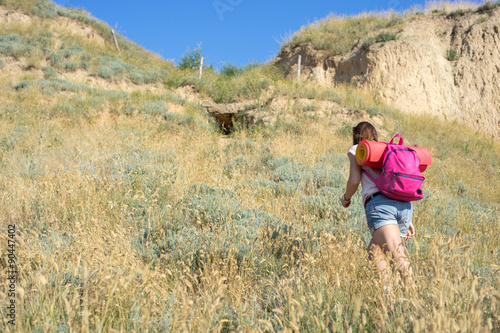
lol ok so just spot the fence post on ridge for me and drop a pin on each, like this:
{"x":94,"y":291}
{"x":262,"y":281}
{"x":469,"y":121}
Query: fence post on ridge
{"x":298,"y":68}
{"x":116,"y":41}
{"x":201,"y":67}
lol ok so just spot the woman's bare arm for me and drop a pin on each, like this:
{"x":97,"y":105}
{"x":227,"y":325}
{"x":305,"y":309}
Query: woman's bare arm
{"x":352,"y":182}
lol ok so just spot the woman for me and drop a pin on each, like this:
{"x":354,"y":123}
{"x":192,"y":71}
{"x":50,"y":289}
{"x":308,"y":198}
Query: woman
{"x":388,"y":219}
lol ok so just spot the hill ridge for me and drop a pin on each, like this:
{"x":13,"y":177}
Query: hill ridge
{"x":443,"y":65}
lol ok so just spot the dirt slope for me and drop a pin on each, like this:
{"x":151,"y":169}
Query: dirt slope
{"x":415,"y":74}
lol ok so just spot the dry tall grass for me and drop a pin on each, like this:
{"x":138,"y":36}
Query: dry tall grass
{"x":134,"y":223}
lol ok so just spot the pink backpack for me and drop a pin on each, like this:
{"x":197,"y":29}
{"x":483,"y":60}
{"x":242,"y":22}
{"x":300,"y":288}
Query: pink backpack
{"x":401,"y":178}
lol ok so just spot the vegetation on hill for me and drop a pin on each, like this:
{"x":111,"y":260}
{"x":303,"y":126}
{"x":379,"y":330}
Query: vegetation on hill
{"x":134,"y":213}
{"x":337,"y":35}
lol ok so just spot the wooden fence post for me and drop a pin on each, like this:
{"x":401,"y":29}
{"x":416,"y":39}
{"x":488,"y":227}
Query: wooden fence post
{"x":201,"y":67}
{"x":298,"y":68}
{"x":116,"y":41}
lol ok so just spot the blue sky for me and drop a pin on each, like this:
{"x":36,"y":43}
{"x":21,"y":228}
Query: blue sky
{"x":236,"y":31}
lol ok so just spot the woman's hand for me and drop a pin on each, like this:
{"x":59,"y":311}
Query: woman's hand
{"x":410,"y":233}
{"x":345,"y":203}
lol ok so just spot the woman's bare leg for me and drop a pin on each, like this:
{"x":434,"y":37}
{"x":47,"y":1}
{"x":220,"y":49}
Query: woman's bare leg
{"x":377,"y":256}
{"x":389,"y":240}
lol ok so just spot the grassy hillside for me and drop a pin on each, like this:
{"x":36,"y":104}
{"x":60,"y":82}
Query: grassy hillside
{"x":134,"y":213}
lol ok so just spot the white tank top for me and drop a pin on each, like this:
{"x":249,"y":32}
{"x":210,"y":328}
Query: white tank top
{"x":368,"y":187}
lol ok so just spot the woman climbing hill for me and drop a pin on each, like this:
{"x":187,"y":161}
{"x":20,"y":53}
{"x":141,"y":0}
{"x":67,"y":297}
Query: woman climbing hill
{"x":388,"y":220}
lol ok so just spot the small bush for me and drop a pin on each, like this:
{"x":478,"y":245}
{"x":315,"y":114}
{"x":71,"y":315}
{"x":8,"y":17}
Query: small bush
{"x":235,"y":165}
{"x":70,"y":58}
{"x":374,"y":112}
{"x":385,"y":37}
{"x":63,"y":109}
{"x":110,"y":67}
{"x":489,"y":6}
{"x":85,"y":65}
{"x":345,"y":130}
{"x":129,"y":110}
{"x":173,"y":98}
{"x":452,"y":55}
{"x":2,"y":64}
{"x":208,"y":206}
{"x":153,"y":109}
{"x":70,"y":66}
{"x":367,"y":43}
{"x":308,"y":108}
{"x":191,"y":59}
{"x":56,"y":59}
{"x":22,"y":85}
{"x":179,"y":119}
{"x":230,"y":70}
{"x":144,"y":77}
{"x":49,"y":72}
{"x":458,"y":13}
{"x":45,"y":9}
{"x":75,"y":51}
{"x":16,"y":46}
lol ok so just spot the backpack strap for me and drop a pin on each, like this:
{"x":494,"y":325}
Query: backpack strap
{"x":400,"y":139}
{"x":368,"y":174}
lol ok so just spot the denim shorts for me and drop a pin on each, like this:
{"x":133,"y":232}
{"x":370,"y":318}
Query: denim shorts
{"x":382,"y":210}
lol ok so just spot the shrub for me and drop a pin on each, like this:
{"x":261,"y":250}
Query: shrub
{"x":235,"y":165}
{"x":49,"y":72}
{"x":367,"y":43}
{"x":173,"y":98}
{"x":345,"y":130}
{"x":289,"y":127}
{"x":452,"y":55}
{"x":145,"y":77}
{"x":488,"y":6}
{"x":63,"y":109}
{"x":230,"y":70}
{"x":191,"y":59}
{"x":385,"y":37}
{"x":374,"y":112}
{"x":265,"y":187}
{"x":22,"y":85}
{"x":110,"y":67}
{"x":179,"y":119}
{"x":332,"y":96}
{"x":129,"y":110}
{"x":15,"y":46}
{"x":75,"y":51}
{"x":210,"y":207}
{"x":152,"y":109}
{"x":75,"y":56}
{"x":85,"y":65}
{"x":2,"y":64}
{"x":70,"y":66}
{"x":45,"y":9}
{"x":457,"y":13}
{"x":56,"y":59}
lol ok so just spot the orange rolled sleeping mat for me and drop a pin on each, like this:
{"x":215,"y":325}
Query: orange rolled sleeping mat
{"x":370,"y":154}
